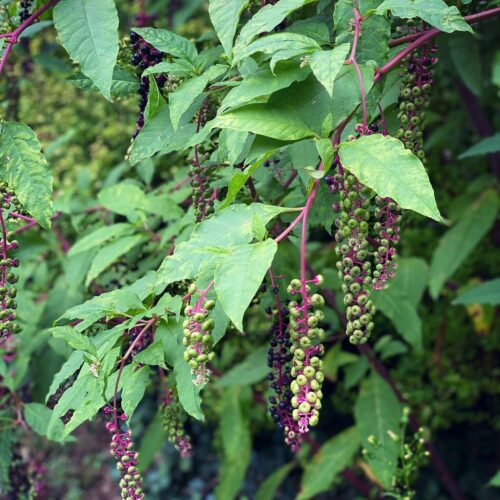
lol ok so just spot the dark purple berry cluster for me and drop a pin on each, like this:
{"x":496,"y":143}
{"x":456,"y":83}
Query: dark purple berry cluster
{"x":306,"y":336}
{"x":25,"y":9}
{"x":122,"y":449}
{"x":144,"y":56}
{"x":416,"y":78}
{"x":145,"y":340}
{"x":173,"y":417}
{"x":8,"y":278}
{"x":279,"y":359}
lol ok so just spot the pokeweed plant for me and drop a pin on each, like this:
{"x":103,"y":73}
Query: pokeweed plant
{"x":164,"y":266}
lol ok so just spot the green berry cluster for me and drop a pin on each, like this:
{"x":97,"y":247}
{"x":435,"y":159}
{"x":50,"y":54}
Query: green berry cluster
{"x":8,"y":278}
{"x":306,"y":335}
{"x":173,"y":417}
{"x":354,"y":265}
{"x":198,"y":339}
{"x":416,"y":78}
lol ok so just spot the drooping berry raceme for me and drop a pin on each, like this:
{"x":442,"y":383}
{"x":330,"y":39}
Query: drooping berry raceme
{"x":145,"y":338}
{"x":8,"y":278}
{"x":355,"y":268}
{"x":279,"y":360}
{"x":305,"y":316}
{"x":144,"y":56}
{"x":198,"y":338}
{"x":25,"y":9}
{"x":416,"y":77}
{"x":386,"y":238}
{"x":173,"y":417}
{"x":122,"y":449}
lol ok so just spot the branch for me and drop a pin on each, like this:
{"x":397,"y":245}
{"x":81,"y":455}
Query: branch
{"x":13,"y":37}
{"x":424,"y":37}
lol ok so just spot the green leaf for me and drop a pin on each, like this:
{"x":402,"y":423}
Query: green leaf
{"x":88,"y":30}
{"x":403,"y":315}
{"x":291,"y":44}
{"x":277,"y":122}
{"x":461,"y":239}
{"x":434,"y":12}
{"x":483,"y":147}
{"x":169,"y":42}
{"x":100,"y":235}
{"x":266,"y":19}
{"x":110,"y":253}
{"x":495,"y":480}
{"x":466,"y":56}
{"x":25,"y":169}
{"x":38,"y":416}
{"x":383,"y":164}
{"x":151,"y":443}
{"x":486,"y":293}
{"x":155,"y":100}
{"x":268,"y":489}
{"x":124,"y":84}
{"x":178,"y":68}
{"x":257,"y":86}
{"x":377,"y":413}
{"x":334,"y":456}
{"x":237,"y":289}
{"x":152,"y":355}
{"x":69,"y":367}
{"x":251,"y":370}
{"x":225,"y":16}
{"x":326,"y":153}
{"x":327,"y":64}
{"x":74,"y":339}
{"x":135,"y":381}
{"x":238,"y":179}
{"x":236,"y":442}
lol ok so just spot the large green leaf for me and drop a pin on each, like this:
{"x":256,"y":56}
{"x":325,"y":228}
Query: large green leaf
{"x":269,"y":487}
{"x":434,"y":12}
{"x":266,"y":19}
{"x":88,"y":30}
{"x":334,"y":456}
{"x":38,"y":416}
{"x":240,"y":275}
{"x":483,"y":147}
{"x":327,"y":64}
{"x":277,"y":122}
{"x":110,"y":253}
{"x":290,"y":44}
{"x":124,"y":84}
{"x":100,"y":235}
{"x":466,"y":56}
{"x":461,"y":239}
{"x":134,"y":381}
{"x":257,"y":86}
{"x":486,"y":293}
{"x":383,"y":164}
{"x":251,"y":370}
{"x":225,"y":16}
{"x":169,"y":42}
{"x":25,"y":169}
{"x":236,"y":442}
{"x":74,"y":339}
{"x":377,"y":413}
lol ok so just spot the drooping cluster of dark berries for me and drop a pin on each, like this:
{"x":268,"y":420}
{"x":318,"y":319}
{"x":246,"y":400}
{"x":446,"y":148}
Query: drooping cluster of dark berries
{"x":25,"y":9}
{"x":279,"y":359}
{"x":353,"y":250}
{"x":25,"y":478}
{"x":173,"y":418}
{"x":416,"y":78}
{"x":122,"y":449}
{"x":201,"y":176}
{"x":198,"y":339}
{"x":144,"y":341}
{"x":8,"y":278}
{"x":144,"y":56}
{"x":306,"y":336}
{"x":386,"y":238}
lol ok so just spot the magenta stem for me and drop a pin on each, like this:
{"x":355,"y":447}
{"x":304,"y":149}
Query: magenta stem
{"x":13,"y":37}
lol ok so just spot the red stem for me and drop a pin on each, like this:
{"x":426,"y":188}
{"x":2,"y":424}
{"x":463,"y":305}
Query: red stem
{"x":13,"y":37}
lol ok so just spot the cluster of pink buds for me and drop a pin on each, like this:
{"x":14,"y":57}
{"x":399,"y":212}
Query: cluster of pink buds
{"x":122,"y":448}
